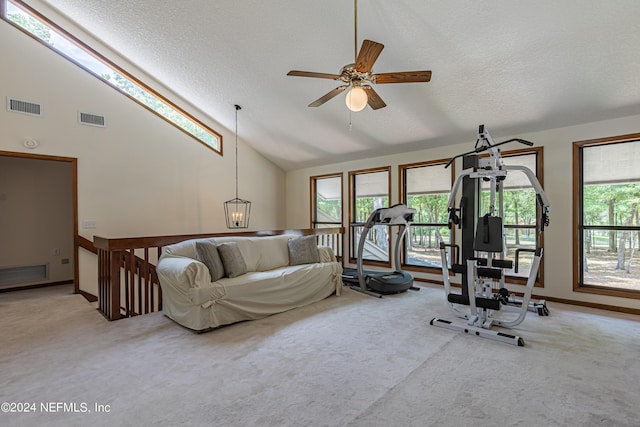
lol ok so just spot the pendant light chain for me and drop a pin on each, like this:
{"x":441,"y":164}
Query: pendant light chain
{"x":237,"y":108}
{"x":237,"y":211}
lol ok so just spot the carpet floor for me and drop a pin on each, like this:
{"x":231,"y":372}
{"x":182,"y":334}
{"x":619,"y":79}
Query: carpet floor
{"x":351,"y":360}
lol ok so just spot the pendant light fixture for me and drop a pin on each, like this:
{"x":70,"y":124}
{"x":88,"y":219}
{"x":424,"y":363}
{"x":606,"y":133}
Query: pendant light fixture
{"x":237,"y":210}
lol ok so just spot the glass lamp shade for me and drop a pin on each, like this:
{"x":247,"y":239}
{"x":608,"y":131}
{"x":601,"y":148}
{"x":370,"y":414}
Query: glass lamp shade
{"x":356,"y":99}
{"x":237,"y":213}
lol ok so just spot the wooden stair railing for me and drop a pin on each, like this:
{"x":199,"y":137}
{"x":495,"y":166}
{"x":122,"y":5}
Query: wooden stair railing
{"x":128,"y":284}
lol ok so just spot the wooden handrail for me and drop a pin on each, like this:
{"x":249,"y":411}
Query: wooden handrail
{"x":86,"y":244}
{"x":128,"y":284}
{"x":110,"y":244}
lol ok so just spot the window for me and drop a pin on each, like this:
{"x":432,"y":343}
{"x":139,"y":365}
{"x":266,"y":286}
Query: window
{"x":326,"y":193}
{"x":606,"y":215}
{"x":521,"y":212}
{"x":42,"y":29}
{"x":369,"y":190}
{"x":425,"y":187}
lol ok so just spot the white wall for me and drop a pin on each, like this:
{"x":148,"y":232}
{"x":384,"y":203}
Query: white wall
{"x":557,"y":145}
{"x":138,"y":176}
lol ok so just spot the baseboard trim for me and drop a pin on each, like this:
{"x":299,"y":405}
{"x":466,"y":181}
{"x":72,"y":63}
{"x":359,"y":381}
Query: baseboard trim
{"x":89,"y":297}
{"x":607,"y":307}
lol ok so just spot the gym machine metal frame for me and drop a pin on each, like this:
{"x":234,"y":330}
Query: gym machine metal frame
{"x":484,"y":277}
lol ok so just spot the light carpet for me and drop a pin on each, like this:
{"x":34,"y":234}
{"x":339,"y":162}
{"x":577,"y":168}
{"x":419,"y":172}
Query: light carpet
{"x":351,"y":360}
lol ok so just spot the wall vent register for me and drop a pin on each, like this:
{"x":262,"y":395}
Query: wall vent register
{"x":11,"y":276}
{"x":92,"y":119}
{"x":24,"y":107}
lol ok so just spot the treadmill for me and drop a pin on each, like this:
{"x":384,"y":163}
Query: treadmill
{"x":377,"y":283}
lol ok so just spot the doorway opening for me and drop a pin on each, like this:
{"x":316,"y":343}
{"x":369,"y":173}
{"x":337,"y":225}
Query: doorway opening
{"x":39,"y":210}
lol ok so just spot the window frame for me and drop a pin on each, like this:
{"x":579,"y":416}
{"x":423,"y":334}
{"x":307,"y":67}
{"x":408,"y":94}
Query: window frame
{"x":314,"y":208}
{"x":579,"y":227}
{"x":352,"y":212}
{"x":108,"y":63}
{"x":402,"y":176}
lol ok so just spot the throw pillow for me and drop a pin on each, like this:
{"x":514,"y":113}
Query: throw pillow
{"x":208,"y":255}
{"x":232,"y":260}
{"x":303,"y":250}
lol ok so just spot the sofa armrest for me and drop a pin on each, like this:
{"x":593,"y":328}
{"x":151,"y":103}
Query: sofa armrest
{"x":182,"y":272}
{"x":326,"y":254}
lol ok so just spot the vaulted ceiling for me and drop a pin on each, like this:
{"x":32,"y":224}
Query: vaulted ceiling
{"x":516,"y":66}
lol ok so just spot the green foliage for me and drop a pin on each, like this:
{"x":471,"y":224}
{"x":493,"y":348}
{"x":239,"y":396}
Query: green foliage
{"x":430,"y":208}
{"x":598,"y":198}
{"x":519,"y":206}
{"x":366,"y":205}
{"x":330,"y":207}
{"x":161,"y":108}
{"x":32,"y":25}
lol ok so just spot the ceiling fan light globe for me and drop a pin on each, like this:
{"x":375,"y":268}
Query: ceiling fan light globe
{"x":356,"y":99}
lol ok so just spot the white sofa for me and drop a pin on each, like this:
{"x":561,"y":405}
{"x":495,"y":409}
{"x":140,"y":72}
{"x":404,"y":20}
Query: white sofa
{"x":270,"y":285}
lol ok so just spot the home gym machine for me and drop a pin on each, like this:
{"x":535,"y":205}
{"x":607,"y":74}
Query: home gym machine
{"x":378,"y":283}
{"x":483,"y":292}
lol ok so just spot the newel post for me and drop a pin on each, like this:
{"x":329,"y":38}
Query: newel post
{"x":108,"y":279}
{"x":115,"y":258}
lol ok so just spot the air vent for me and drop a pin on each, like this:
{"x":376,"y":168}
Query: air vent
{"x":92,"y":119}
{"x":24,"y":274}
{"x":24,"y":107}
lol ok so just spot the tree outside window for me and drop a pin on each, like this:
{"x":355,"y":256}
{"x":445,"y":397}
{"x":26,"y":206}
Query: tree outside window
{"x":369,"y":190}
{"x":425,"y":188}
{"x":326,"y":193}
{"x":608,"y":217}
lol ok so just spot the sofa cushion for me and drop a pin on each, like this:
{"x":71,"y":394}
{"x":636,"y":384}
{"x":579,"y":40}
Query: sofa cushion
{"x":303,"y":250}
{"x":232,"y":260}
{"x":261,"y":253}
{"x":209,"y":256}
{"x":271,"y":252}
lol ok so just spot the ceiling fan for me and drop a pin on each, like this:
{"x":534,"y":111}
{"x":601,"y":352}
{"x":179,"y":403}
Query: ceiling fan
{"x":359,"y":76}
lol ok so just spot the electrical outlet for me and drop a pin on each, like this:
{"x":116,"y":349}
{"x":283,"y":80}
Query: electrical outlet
{"x":89,"y":223}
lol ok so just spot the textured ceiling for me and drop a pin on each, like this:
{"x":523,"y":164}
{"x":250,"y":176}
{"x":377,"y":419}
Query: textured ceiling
{"x":516,"y":66}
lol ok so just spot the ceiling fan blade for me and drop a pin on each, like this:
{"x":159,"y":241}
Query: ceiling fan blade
{"x":403,"y":77}
{"x":369,"y":52}
{"x":373,"y":99}
{"x":312,"y":74}
{"x":337,"y":91}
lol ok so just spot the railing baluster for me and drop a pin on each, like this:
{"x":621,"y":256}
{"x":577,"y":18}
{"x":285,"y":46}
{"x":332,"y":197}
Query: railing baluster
{"x":127,"y":287}
{"x":113,"y":280}
{"x":102,"y":277}
{"x":132,"y":280}
{"x":146,"y":281}
{"x":139,"y":284}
